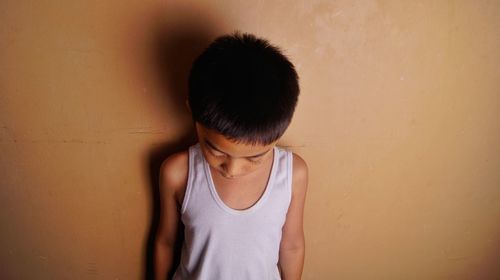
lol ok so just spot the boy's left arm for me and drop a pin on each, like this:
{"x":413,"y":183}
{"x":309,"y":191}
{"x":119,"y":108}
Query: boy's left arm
{"x":292,"y":247}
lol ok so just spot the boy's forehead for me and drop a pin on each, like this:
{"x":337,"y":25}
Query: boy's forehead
{"x":229,"y":146}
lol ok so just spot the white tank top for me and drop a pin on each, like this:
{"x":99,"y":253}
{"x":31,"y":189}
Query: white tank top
{"x":223,"y":243}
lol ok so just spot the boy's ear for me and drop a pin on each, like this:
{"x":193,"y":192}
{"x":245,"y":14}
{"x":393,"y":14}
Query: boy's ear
{"x":187,"y":105}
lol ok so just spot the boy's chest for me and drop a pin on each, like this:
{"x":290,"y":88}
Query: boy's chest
{"x":241,"y":194}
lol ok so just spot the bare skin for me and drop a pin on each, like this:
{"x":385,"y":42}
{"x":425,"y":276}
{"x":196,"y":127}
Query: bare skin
{"x":236,"y":169}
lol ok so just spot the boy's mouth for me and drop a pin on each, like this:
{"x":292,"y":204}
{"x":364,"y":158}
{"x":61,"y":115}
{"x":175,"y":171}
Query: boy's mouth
{"x":227,"y":176}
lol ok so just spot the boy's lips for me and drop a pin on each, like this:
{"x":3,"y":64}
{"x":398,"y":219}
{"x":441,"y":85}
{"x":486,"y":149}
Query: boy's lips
{"x":227,"y":176}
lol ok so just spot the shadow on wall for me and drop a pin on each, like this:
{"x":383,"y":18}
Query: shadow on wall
{"x":176,"y":41}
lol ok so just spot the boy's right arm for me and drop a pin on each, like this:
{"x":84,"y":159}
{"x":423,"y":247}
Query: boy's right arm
{"x":173,"y":180}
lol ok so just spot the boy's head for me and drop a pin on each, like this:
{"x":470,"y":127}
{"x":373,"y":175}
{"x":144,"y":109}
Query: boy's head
{"x":244,"y":88}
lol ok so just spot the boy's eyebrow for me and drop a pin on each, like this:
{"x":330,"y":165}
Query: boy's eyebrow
{"x":217,"y":149}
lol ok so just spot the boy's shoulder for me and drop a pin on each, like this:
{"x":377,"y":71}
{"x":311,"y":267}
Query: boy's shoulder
{"x":299,"y":165}
{"x":300,"y":172}
{"x":174,"y":174}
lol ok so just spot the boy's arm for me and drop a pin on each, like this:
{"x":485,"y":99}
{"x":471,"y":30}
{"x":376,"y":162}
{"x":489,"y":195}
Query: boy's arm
{"x":292,"y":247}
{"x":173,"y":177}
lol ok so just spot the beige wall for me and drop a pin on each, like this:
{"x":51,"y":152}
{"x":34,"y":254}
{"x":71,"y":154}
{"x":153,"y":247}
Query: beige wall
{"x":398,"y":120}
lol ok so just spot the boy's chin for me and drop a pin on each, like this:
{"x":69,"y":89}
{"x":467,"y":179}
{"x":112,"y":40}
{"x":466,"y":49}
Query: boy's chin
{"x":227,"y":176}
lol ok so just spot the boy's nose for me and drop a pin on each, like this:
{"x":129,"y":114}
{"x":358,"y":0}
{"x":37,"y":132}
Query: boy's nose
{"x":231,"y":167}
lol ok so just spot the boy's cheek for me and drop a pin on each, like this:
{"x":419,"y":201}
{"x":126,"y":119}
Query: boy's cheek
{"x":212,"y":161}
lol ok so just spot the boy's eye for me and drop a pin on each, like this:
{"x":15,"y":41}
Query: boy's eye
{"x":255,"y":160}
{"x":217,"y":153}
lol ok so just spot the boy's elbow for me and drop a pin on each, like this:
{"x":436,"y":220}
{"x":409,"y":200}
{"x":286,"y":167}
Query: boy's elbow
{"x":296,"y":245}
{"x":162,"y":240}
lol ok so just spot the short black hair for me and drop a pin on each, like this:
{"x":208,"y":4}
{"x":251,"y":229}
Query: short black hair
{"x":244,"y":88}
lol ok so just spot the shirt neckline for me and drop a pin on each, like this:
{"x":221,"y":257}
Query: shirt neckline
{"x":257,"y":204}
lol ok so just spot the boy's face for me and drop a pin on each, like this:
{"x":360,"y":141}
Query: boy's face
{"x":231,"y":159}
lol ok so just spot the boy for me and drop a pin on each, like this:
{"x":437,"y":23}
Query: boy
{"x":239,"y":196}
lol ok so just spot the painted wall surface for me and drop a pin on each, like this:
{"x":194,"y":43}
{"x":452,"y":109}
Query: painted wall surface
{"x":398,"y":120}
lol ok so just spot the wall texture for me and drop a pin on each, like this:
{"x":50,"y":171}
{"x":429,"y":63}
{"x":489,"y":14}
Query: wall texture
{"x":398,"y":120}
